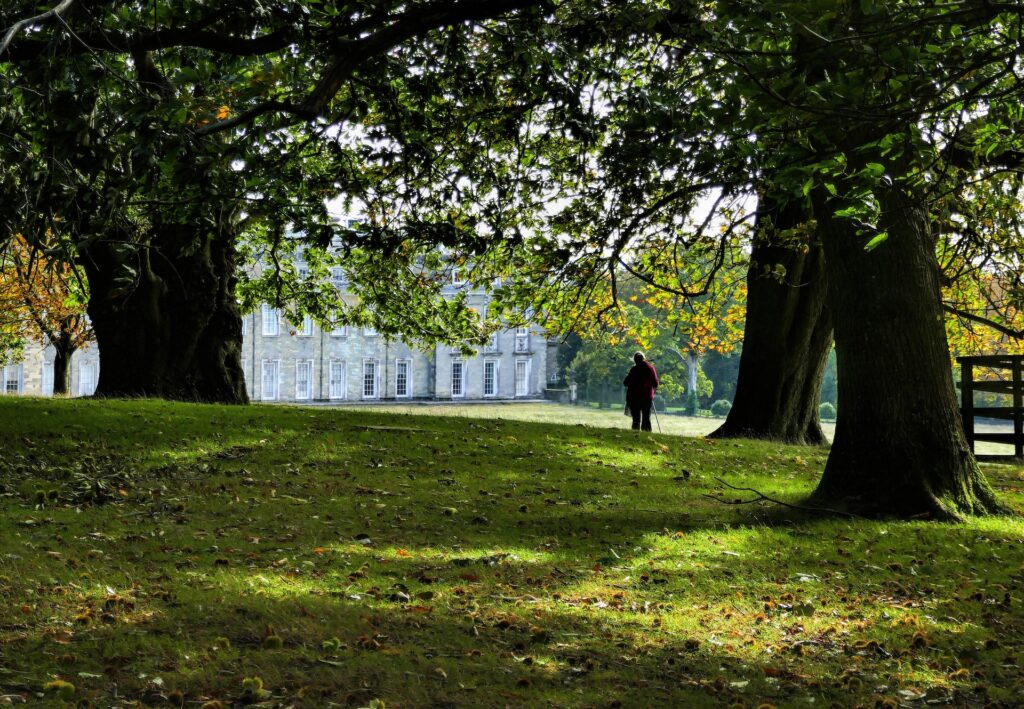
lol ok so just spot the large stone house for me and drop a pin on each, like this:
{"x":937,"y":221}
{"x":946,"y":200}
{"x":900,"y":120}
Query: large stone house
{"x":285,"y":362}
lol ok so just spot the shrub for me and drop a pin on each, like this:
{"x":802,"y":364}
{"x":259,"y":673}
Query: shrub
{"x":721,"y":407}
{"x":827,"y":411}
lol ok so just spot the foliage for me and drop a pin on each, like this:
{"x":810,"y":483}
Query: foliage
{"x":721,"y":407}
{"x":252,"y":121}
{"x":325,"y":529}
{"x":827,"y":411}
{"x":40,"y":299}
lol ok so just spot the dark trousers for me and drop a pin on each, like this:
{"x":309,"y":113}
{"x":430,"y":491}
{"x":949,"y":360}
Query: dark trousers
{"x":641,"y":412}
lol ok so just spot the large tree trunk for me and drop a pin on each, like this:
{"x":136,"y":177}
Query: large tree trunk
{"x":899,"y":447}
{"x":786,"y":337}
{"x":174,"y":331}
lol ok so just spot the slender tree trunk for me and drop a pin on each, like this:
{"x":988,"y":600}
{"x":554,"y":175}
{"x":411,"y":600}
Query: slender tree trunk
{"x":787,"y":334}
{"x":692,"y":363}
{"x":899,"y":447}
{"x":63,"y":348}
{"x":174,"y":331}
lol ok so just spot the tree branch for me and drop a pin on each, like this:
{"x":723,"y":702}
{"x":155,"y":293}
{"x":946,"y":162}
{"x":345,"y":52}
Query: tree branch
{"x":29,"y":21}
{"x":163,"y":39}
{"x":761,"y":497}
{"x":982,"y":320}
{"x":349,"y":55}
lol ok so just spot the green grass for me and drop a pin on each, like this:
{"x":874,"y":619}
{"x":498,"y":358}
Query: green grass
{"x":446,"y":561}
{"x":586,"y":415}
{"x":553,"y":413}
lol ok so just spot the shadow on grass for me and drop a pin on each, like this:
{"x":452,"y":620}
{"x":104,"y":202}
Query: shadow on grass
{"x":447,"y":562}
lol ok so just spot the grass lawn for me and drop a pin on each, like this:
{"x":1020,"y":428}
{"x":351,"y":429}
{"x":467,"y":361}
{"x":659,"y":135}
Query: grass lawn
{"x":554,"y":413}
{"x":177,"y":555}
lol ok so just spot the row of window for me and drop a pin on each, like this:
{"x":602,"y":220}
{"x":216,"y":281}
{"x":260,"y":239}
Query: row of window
{"x":337,"y":379}
{"x":491,"y":372}
{"x":12,"y":378}
{"x":14,"y":383}
{"x":272,"y":328}
{"x":271,"y":318}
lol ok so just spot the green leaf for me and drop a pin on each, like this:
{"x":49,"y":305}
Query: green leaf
{"x":874,"y":169}
{"x":875,"y":241}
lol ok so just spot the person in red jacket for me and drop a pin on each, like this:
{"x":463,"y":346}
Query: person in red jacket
{"x":640,"y":384}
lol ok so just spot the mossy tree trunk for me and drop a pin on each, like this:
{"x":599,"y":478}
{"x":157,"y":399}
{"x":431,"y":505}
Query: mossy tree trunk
{"x":787,"y":335}
{"x":172,"y":329}
{"x":899,"y":447}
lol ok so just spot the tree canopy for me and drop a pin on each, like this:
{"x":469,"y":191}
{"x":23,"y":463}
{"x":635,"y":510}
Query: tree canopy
{"x":540,"y":148}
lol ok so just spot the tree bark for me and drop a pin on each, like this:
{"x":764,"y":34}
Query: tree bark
{"x":692,"y":364}
{"x":63,"y":349}
{"x":787,"y":335}
{"x":899,"y":447}
{"x":172,"y":329}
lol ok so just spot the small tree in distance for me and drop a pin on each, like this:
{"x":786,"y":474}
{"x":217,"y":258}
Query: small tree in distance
{"x":42,"y":299}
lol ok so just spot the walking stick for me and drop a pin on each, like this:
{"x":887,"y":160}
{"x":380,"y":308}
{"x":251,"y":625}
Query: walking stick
{"x":655,"y":410}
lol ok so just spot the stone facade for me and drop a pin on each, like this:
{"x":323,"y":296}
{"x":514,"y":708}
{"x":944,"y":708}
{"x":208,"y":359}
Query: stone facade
{"x":285,"y":363}
{"x":33,"y":374}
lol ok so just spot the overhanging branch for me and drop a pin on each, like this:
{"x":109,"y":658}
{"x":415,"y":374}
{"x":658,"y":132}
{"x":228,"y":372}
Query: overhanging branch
{"x":982,"y":320}
{"x":349,"y":55}
{"x":29,"y":21}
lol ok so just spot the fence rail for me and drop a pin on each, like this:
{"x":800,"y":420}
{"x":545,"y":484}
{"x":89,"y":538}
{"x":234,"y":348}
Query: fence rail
{"x":1014,"y":386}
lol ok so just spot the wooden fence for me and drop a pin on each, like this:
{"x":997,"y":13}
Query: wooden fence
{"x":1008,"y":382}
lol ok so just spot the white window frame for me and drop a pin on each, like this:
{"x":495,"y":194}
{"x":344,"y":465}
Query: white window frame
{"x":308,"y":394}
{"x":276,"y":393}
{"x":522,"y":339}
{"x":266,"y":311}
{"x":46,"y":380}
{"x":408,"y":377}
{"x":338,"y":277}
{"x":376,"y":379}
{"x":496,"y":364}
{"x":525,"y":390}
{"x":306,"y":329}
{"x":340,"y":331}
{"x":340,"y":391}
{"x":370,"y":332}
{"x":302,"y":269}
{"x":461,"y":380}
{"x":83,"y":389}
{"x":14,"y":372}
